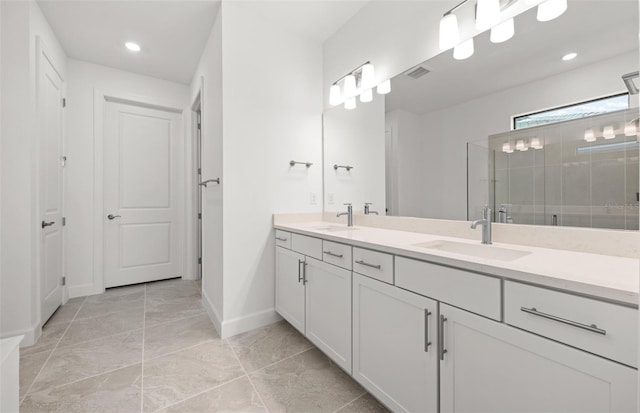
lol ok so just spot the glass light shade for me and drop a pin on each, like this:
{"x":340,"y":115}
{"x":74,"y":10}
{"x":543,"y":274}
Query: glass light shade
{"x":487,"y":14}
{"x":506,"y":147}
{"x":551,"y":9}
{"x":536,"y":143}
{"x":366,"y":95}
{"x":589,"y":135}
{"x":521,"y":146}
{"x":608,"y":132}
{"x":349,"y":86}
{"x":502,"y":32}
{"x":449,"y":34}
{"x":631,"y":129}
{"x":334,"y":95}
{"x":464,"y":50}
{"x":368,"y":76}
{"x":384,"y":87}
{"x":350,"y":103}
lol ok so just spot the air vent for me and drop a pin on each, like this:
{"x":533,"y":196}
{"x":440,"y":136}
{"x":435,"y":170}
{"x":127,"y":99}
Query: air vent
{"x":417,"y":72}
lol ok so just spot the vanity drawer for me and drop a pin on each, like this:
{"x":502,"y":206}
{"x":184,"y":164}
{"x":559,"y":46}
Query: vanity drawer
{"x":337,"y":254}
{"x":308,"y":246}
{"x":602,"y":328}
{"x":477,"y":293}
{"x":283,"y":239}
{"x":373,"y":264}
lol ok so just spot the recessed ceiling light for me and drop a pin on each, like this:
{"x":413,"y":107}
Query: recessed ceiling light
{"x":569,"y":56}
{"x":134,"y":47}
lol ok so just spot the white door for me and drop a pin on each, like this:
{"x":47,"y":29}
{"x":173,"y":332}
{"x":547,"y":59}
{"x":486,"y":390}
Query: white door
{"x":491,"y":367}
{"x":328,"y":310}
{"x":290,"y":287}
{"x":140,"y":188}
{"x":50,"y":104}
{"x":394,"y":345}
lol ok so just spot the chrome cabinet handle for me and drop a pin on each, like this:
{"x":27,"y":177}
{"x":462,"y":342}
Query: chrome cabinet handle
{"x":427,"y":343}
{"x":333,"y":254}
{"x":366,"y":264}
{"x":281,"y":239}
{"x":443,"y":350}
{"x":47,"y":224}
{"x":304,"y":272}
{"x":112,"y":217}
{"x":592,"y":327}
{"x":300,"y":276}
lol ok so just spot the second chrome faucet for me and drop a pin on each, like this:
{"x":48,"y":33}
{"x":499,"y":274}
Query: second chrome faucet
{"x":349,"y":215}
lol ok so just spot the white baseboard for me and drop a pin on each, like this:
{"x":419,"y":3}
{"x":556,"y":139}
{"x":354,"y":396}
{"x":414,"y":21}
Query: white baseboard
{"x":213,"y":314}
{"x":83,"y":290}
{"x":249,"y":322}
{"x":31,"y":335}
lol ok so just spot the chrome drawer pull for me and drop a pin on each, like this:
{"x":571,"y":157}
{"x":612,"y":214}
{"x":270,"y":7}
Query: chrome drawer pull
{"x":593,"y":328}
{"x":427,"y":343}
{"x":443,"y":350}
{"x":333,"y":254}
{"x":366,"y":264}
{"x":281,"y":239}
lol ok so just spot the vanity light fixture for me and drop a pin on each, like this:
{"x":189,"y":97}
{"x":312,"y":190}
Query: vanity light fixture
{"x":589,"y":135}
{"x":464,"y":50}
{"x":631,"y":128}
{"x":608,"y":132}
{"x":536,"y":143}
{"x":350,"y":103}
{"x":551,"y":9}
{"x":368,"y":78}
{"x":359,"y":81}
{"x":521,"y":145}
{"x":449,"y":33}
{"x":366,"y":95}
{"x":384,"y":87}
{"x":134,"y":47}
{"x":335,"y":95}
{"x":487,"y":14}
{"x":349,"y":86}
{"x":569,"y":56}
{"x":502,"y":32}
{"x":506,"y":147}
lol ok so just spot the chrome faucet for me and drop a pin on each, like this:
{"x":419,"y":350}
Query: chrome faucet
{"x":503,"y":214}
{"x":486,"y":225}
{"x":368,"y":211}
{"x":349,"y":215}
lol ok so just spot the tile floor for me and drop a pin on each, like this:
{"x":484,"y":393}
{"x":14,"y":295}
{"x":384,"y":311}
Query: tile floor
{"x":152,"y":348}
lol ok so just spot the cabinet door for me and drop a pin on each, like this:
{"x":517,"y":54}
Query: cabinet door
{"x":290,"y":287}
{"x":328,"y":306}
{"x":491,"y":367}
{"x":392,"y":358}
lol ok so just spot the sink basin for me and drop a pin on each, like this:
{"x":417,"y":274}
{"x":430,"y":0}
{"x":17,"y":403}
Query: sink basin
{"x":489,"y":252}
{"x":334,"y":228}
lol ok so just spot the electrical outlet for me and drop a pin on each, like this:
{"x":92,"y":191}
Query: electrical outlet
{"x":331,"y":198}
{"x":313,"y":198}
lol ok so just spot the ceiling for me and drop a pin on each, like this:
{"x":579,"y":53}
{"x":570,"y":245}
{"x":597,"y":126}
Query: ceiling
{"x":172,"y":33}
{"x":596,"y":30}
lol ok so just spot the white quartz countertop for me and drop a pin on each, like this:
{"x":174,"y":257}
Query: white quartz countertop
{"x":602,"y":276}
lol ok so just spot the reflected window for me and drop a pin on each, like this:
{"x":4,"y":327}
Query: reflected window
{"x":575,"y":111}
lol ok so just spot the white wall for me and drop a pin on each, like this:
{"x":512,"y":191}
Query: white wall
{"x":355,"y":138}
{"x":22,"y":23}
{"x":272,"y":105}
{"x":208,"y":76}
{"x":83,"y":79}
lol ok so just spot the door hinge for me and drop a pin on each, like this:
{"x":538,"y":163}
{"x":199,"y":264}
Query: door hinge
{"x":64,"y":221}
{"x":199,"y":215}
{"x":63,"y":161}
{"x":199,"y":260}
{"x":199,"y":171}
{"x":64,"y":102}
{"x":64,"y":280}
{"x":199,"y":126}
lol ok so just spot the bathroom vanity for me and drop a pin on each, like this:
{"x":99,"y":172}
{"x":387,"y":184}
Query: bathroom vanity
{"x":430,"y":323}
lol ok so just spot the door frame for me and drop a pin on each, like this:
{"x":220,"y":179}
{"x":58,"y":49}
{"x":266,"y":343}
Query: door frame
{"x":42,"y":52}
{"x":192,"y":180}
{"x":100,"y":98}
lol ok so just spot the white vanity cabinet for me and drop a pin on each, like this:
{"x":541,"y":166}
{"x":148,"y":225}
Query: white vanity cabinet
{"x":290,"y":287}
{"x":394,"y":345}
{"x":488,"y":366}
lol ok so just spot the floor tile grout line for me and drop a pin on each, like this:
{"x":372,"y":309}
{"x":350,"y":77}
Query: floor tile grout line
{"x":284,"y":359}
{"x":52,"y":351}
{"x":144,"y":317}
{"x":181,"y":349}
{"x":217,"y":386}
{"x":351,"y":402}
{"x":247,"y":374}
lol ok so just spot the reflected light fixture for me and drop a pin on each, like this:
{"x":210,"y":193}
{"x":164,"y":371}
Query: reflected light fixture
{"x":368,"y":79}
{"x":551,"y":9}
{"x":449,"y":34}
{"x":608,"y":132}
{"x":349,"y":86}
{"x":506,"y":147}
{"x":521,"y":145}
{"x":589,"y":135}
{"x":536,"y":143}
{"x":335,"y":95}
{"x":502,"y":32}
{"x":631,"y":128}
{"x":569,"y":56}
{"x":487,"y":14}
{"x":464,"y":50}
{"x":134,"y":47}
{"x":366,"y":95}
{"x":350,"y":103}
{"x":384,"y":87}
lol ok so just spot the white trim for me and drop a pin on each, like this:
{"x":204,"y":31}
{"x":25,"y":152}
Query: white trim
{"x":31,"y":335}
{"x":249,"y":322}
{"x":83,"y":290}
{"x":213,"y":314}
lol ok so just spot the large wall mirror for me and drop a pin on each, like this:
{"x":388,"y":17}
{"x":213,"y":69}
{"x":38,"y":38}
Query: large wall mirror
{"x":434,"y":146}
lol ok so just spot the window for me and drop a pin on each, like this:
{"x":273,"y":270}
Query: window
{"x":575,"y":111}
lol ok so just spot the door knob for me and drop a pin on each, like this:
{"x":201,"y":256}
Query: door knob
{"x":111,"y":216}
{"x":47,"y":224}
